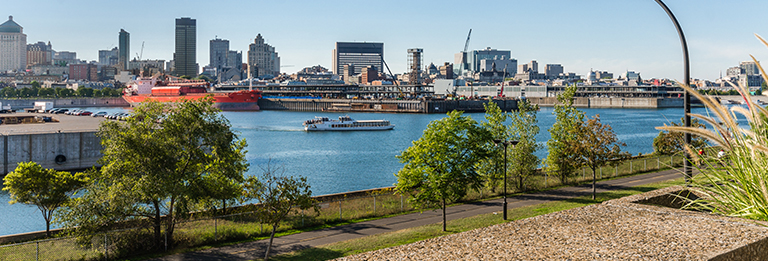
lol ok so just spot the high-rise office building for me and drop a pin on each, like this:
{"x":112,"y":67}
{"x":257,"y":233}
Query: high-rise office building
{"x":185,"y":59}
{"x":234,"y":59}
{"x":358,"y":54}
{"x":124,"y":50}
{"x":749,"y":68}
{"x":263,"y":58}
{"x":218,"y":51}
{"x":39,"y":53}
{"x":474,"y":58}
{"x":13,"y":46}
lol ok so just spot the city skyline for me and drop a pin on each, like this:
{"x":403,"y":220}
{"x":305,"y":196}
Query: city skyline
{"x":602,"y":35}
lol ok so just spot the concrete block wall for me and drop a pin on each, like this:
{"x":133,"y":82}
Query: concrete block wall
{"x":79,"y":150}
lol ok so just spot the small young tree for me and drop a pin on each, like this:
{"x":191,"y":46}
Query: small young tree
{"x":495,"y":123}
{"x":668,"y":143}
{"x":562,"y":160}
{"x":278,"y":195}
{"x":440,"y":166}
{"x":524,"y":128}
{"x":597,"y":146}
{"x":47,"y":189}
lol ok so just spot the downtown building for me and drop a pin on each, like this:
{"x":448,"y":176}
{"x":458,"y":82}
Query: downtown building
{"x":184,"y":58}
{"x":483,"y":60}
{"x":263,"y":59}
{"x":13,"y":46}
{"x":357,"y":56}
{"x":39,"y":53}
{"x":224,"y":64}
{"x":109,"y":57}
{"x":124,"y":50}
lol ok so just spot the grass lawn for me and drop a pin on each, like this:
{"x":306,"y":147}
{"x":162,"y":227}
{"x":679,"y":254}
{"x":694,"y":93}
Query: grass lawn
{"x":411,"y":235}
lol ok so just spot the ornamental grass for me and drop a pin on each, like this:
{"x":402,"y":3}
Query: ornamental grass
{"x":734,"y":184}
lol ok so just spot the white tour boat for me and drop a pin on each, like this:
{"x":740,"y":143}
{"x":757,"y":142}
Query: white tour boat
{"x":345,"y":123}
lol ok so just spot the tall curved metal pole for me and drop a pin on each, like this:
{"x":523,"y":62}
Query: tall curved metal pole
{"x":687,"y":82}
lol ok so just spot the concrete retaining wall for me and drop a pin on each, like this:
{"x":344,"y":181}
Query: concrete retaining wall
{"x":637,"y":103}
{"x":80,"y":150}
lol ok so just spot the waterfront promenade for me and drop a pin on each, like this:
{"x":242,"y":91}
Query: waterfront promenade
{"x":289,"y":243}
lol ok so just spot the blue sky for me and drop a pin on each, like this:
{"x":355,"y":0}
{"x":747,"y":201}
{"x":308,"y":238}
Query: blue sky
{"x":605,"y":35}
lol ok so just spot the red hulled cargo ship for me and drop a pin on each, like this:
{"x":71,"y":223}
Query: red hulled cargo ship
{"x":171,"y":91}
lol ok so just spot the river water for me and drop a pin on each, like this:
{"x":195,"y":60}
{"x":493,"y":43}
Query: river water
{"x":347,"y":161}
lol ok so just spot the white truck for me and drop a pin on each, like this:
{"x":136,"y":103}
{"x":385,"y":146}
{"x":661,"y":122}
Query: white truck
{"x":41,"y":107}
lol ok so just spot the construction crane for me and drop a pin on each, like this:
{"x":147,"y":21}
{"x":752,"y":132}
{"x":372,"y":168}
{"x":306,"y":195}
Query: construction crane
{"x":138,"y":55}
{"x":401,"y":95}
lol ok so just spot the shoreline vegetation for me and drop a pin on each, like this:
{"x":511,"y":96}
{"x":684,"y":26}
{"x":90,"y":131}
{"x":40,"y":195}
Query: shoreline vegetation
{"x":240,"y":224}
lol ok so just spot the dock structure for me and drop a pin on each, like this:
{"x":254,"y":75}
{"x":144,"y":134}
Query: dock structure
{"x":68,"y":144}
{"x":391,"y":106}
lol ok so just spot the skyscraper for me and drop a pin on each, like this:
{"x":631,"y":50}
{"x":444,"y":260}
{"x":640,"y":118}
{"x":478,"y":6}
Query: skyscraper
{"x":218,"y":53}
{"x":184,"y":58}
{"x":13,"y":46}
{"x":124,"y":50}
{"x":263,"y":58}
{"x":358,"y":54}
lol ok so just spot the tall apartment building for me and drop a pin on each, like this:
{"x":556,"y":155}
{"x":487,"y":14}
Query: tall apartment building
{"x":446,"y":70}
{"x":109,"y":57}
{"x":369,"y":74}
{"x":13,"y":46}
{"x":358,"y":54}
{"x":124,"y":55}
{"x":185,"y":59}
{"x":39,"y":53}
{"x":218,"y":51}
{"x":262,"y":58}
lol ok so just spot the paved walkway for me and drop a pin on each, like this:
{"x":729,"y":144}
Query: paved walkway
{"x":285,"y":244}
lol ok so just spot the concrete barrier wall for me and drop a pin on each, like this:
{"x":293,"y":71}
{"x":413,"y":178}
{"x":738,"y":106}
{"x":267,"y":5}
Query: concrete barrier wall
{"x":69,"y":102}
{"x":80,"y":150}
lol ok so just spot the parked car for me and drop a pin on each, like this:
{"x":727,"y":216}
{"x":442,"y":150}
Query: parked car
{"x":72,"y":112}
{"x":84,"y":113}
{"x":63,"y":110}
{"x":99,"y":114}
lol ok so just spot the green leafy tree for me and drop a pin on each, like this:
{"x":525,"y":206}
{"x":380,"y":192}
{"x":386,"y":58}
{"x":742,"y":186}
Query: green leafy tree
{"x":35,"y":84}
{"x":278,"y":194}
{"x":10,"y":92}
{"x":64,"y":92}
{"x":562,"y":160}
{"x":597,"y":146}
{"x":154,"y":165}
{"x":440,"y":166}
{"x":668,"y":143}
{"x":46,"y":92}
{"x":524,"y":128}
{"x":495,"y":124}
{"x":47,"y":189}
{"x":84,"y":92}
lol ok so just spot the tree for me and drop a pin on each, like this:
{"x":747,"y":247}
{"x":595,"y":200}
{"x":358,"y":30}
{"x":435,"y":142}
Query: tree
{"x":47,"y":189}
{"x":495,"y":124}
{"x":277,"y":196}
{"x":668,"y":143}
{"x":441,"y":165}
{"x":562,"y":160}
{"x":35,"y":84}
{"x":596,"y":146}
{"x":84,"y":92}
{"x":524,"y":128}
{"x":154,"y":167}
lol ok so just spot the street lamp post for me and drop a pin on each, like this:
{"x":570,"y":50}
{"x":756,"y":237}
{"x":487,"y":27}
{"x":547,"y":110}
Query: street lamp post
{"x":505,"y":143}
{"x":687,"y":81}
